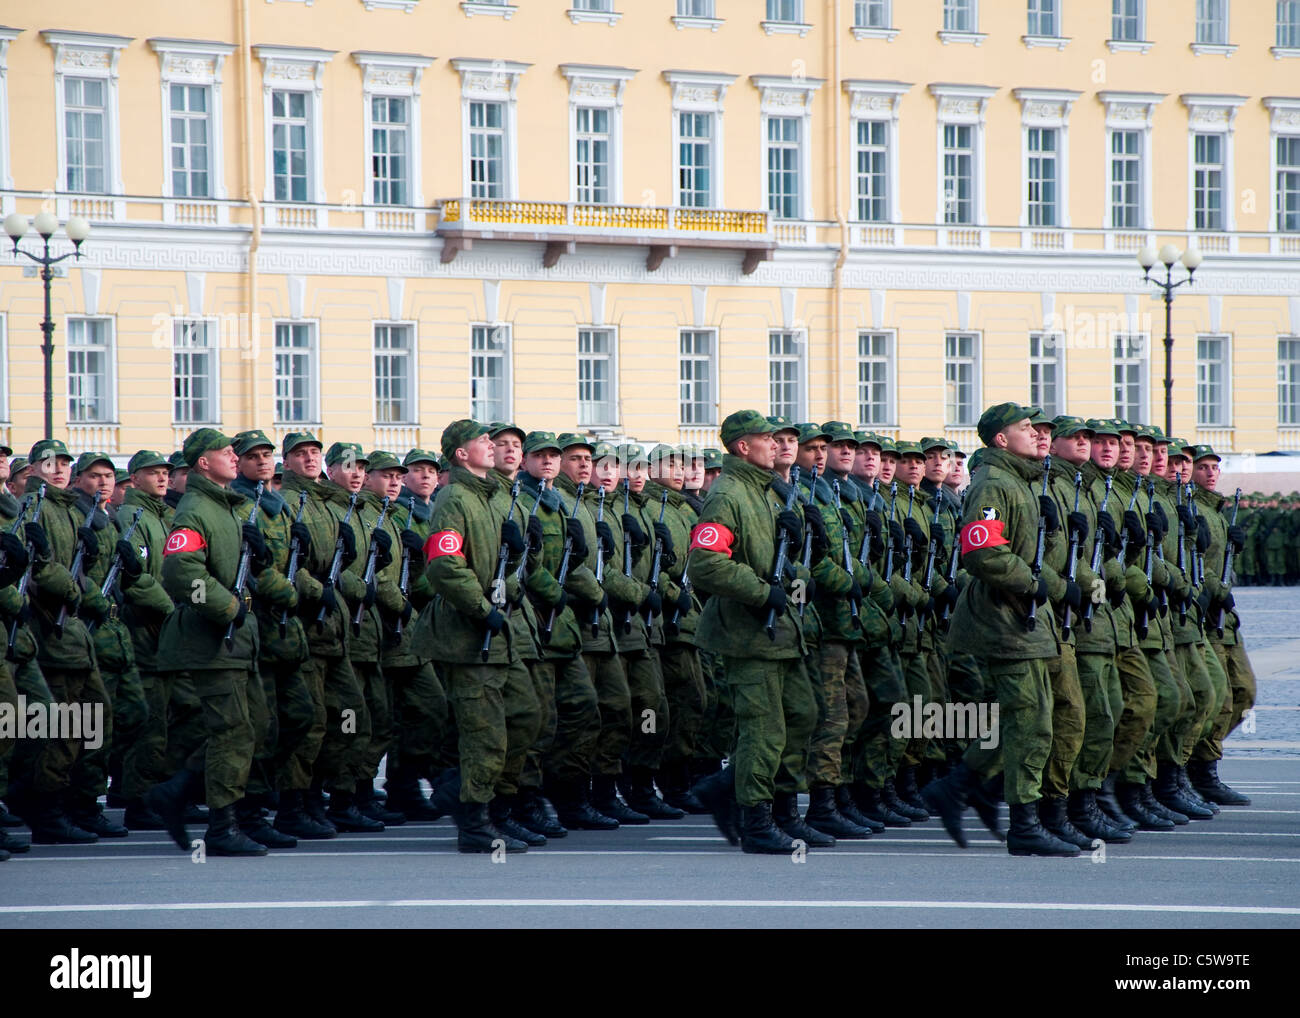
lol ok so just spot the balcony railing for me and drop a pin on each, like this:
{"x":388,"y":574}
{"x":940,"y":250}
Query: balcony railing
{"x":397,"y":438}
{"x":92,"y":438}
{"x":490,"y":212}
{"x":703,"y":435}
{"x":1220,"y":438}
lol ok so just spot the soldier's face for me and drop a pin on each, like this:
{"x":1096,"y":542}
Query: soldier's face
{"x":936,"y":465}
{"x":1019,"y":439}
{"x":637,"y":474}
{"x":348,"y":473}
{"x":694,"y":474}
{"x":1043,"y":433}
{"x":477,"y":455}
{"x":119,"y":492}
{"x":180,"y":477}
{"x":386,"y":482}
{"x":787,"y":448}
{"x":957,"y":476}
{"x":1206,"y":473}
{"x":911,"y":470}
{"x":220,"y":465}
{"x":1178,"y":467}
{"x":1127,"y":450}
{"x":1073,"y":448}
{"x":671,"y":473}
{"x":421,"y":479}
{"x":55,"y":471}
{"x":17,"y":482}
{"x":866,"y":462}
{"x":1105,"y":451}
{"x":151,"y":481}
{"x":840,"y":458}
{"x":709,"y":477}
{"x":257,"y":464}
{"x":544,"y":464}
{"x":758,"y":450}
{"x":509,"y":452}
{"x":1143,"y":456}
{"x":4,"y":467}
{"x":1159,"y":459}
{"x":888,"y":467}
{"x":813,"y":453}
{"x":605,"y":471}
{"x":576,"y":464}
{"x":304,"y":461}
{"x":97,"y":478}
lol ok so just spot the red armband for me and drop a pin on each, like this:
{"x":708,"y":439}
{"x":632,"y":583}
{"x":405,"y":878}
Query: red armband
{"x":981,"y":534}
{"x":444,"y":542}
{"x":712,"y":537}
{"x":184,"y":540}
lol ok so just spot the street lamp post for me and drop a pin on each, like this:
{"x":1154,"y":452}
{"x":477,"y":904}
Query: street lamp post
{"x":45,"y":223}
{"x":1169,"y":255}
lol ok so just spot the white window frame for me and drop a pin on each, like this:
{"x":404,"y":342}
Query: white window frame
{"x":797,"y":25}
{"x":791,"y":98}
{"x":1288,"y":375}
{"x":962,"y":105}
{"x":971,"y":35}
{"x":110,"y":372}
{"x":1143,"y":362}
{"x":496,"y":8}
{"x":711,"y":402}
{"x":392,"y":75}
{"x":1220,"y":47}
{"x":890,"y":361}
{"x":1139,"y":45}
{"x":1046,"y":108}
{"x":1221,"y":167}
{"x":799,"y":359}
{"x":1287,"y":47}
{"x":1284,"y":122}
{"x":505,"y":331}
{"x":1213,"y":114}
{"x":878,"y":100}
{"x":313,"y":352}
{"x":412,"y":381}
{"x":214,"y":345}
{"x":1130,"y":111}
{"x":700,"y":92}
{"x":188,"y":62}
{"x":295,"y":69}
{"x":1056,"y":359}
{"x":595,"y":87}
{"x":613,"y":401}
{"x":491,"y":81}
{"x":7,"y":35}
{"x":1225,"y":418}
{"x":977,"y":379}
{"x":599,"y":12}
{"x":711,"y":21}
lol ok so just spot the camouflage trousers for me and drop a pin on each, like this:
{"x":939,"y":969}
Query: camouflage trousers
{"x":1171,"y":692}
{"x":776,"y":713}
{"x":378,"y":692}
{"x":650,"y":712}
{"x":8,"y":743}
{"x":1237,"y":698}
{"x":684,"y":690}
{"x":231,"y":699}
{"x":289,"y":715}
{"x":916,"y":676}
{"x":125,"y":711}
{"x":420,"y":719}
{"x":570,"y":726}
{"x":52,"y":764}
{"x":1136,"y":713}
{"x":523,"y":719}
{"x":1099,"y":683}
{"x":615,"y":706}
{"x":1024,"y":696}
{"x":842,"y":707}
{"x":875,"y":754}
{"x":184,"y":721}
{"x":488,"y":731}
{"x":1068,"y":722}
{"x":1191,"y":723}
{"x":339,"y":730}
{"x":718,"y":725}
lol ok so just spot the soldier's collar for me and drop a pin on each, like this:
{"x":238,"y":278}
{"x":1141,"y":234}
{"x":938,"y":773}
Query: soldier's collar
{"x":211,"y":489}
{"x":547,"y":498}
{"x":272,"y":501}
{"x":1021,"y":466}
{"x":423,"y":510}
{"x":485,"y":486}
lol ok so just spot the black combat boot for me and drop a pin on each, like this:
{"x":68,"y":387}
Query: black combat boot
{"x":1190,"y":793}
{"x":223,"y":836}
{"x":530,"y":811}
{"x":499,"y":814}
{"x":905,"y":785}
{"x":13,"y":844}
{"x":1204,"y":775}
{"x":759,"y":835}
{"x":575,"y":810}
{"x":785,"y":814}
{"x":718,"y":793}
{"x":1053,"y":817}
{"x":675,"y":784}
{"x":370,"y":805}
{"x":948,"y":797}
{"x":477,"y":833}
{"x":404,"y":795}
{"x":1130,"y":800}
{"x":848,"y":809}
{"x":1158,"y":808}
{"x":1091,"y":821}
{"x":823,"y":815}
{"x":293,"y":820}
{"x":1109,"y":804}
{"x":1027,"y":836}
{"x":872,"y":806}
{"x":139,"y":817}
{"x":8,"y":819}
{"x":889,"y":792}
{"x":604,"y":799}
{"x":313,"y":801}
{"x":254,"y":824}
{"x":346,"y":819}
{"x":96,"y":821}
{"x":1167,"y":792}
{"x":638,"y":787}
{"x":987,"y":799}
{"x":170,"y":800}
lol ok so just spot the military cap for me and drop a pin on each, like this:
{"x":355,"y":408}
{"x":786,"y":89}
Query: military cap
{"x":177,"y":460}
{"x":1178,"y":447}
{"x":780,"y":422}
{"x":632,"y":453}
{"x":421,"y":456}
{"x":88,"y":459}
{"x":976,"y":458}
{"x":809,"y":431}
{"x":1202,"y":452}
{"x":201,"y":441}
{"x":5,"y":450}
{"x":146,"y":458}
{"x":712,"y":458}
{"x":927,"y":444}
{"x":1038,"y":416}
{"x":297,"y":438}
{"x":1064,"y":426}
{"x":19,"y":464}
{"x":498,"y":428}
{"x":1102,"y":426}
{"x":341,"y":451}
{"x":742,"y":423}
{"x":571,"y":439}
{"x":1123,"y":426}
{"x":689,"y":452}
{"x":48,"y":448}
{"x":1145,"y":431}
{"x":839,"y":431}
{"x":457,"y":433}
{"x":662,"y":452}
{"x":380,"y":460}
{"x":999,"y":416}
{"x":869,"y":438}
{"x":603,"y":450}
{"x":247,"y":441}
{"x":279,"y":469}
{"x":907,"y":449}
{"x":536,"y":441}
{"x":888,"y":447}
{"x":956,"y":451}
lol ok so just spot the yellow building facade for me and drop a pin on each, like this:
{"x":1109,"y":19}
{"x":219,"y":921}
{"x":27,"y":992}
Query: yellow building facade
{"x":629,"y":217}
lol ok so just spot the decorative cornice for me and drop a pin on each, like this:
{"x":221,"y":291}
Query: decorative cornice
{"x":196,"y":61}
{"x":1045,"y":107}
{"x":1130,"y":109}
{"x":875,"y":98}
{"x":961,"y":104}
{"x":489,"y":79}
{"x":391,"y":72}
{"x":1284,"y":114}
{"x":85,"y":51}
{"x":701,"y":90}
{"x":785,"y":95}
{"x":1213,"y":112}
{"x":597,"y":82}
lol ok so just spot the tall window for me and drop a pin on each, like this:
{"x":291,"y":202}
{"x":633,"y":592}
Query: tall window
{"x":698,"y":377}
{"x":1288,"y":24}
{"x":958,"y":173}
{"x":1212,"y":21}
{"x":872,"y":157}
{"x":591,"y":156}
{"x":395,"y":374}
{"x":1042,"y":175}
{"x":487,"y":151}
{"x":290,"y":129}
{"x":90,"y":370}
{"x":1126,"y":19}
{"x":85,"y":117}
{"x":1125,"y":179}
{"x":695,"y":159}
{"x":295,"y":372}
{"x":593,"y":5}
{"x":1288,"y":183}
{"x":597,"y":405}
{"x":1046,"y":375}
{"x":1131,"y":377}
{"x":785,"y":10}
{"x":1288,"y":381}
{"x":1213,"y":381}
{"x":959,"y":15}
{"x":695,"y":8}
{"x":871,"y":14}
{"x":1207,"y":181}
{"x":961,"y":367}
{"x":194,"y":373}
{"x":875,"y":378}
{"x":1044,"y":17}
{"x":190,"y":119}
{"x":785,"y":374}
{"x":489,"y":373}
{"x":783,"y":167}
{"x":390,"y":148}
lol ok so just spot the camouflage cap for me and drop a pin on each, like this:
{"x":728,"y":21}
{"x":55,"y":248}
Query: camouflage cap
{"x":498,"y":428}
{"x":1064,"y":426}
{"x":712,"y":458}
{"x":177,"y":461}
{"x":1159,"y":434}
{"x":201,"y":441}
{"x":380,"y":460}
{"x":888,"y":447}
{"x":780,"y":422}
{"x":1101,"y":426}
{"x":632,"y":453}
{"x":1123,"y":426}
{"x":1037,"y":416}
{"x":1202,"y":452}
{"x":603,"y":450}
{"x":536,"y":441}
{"x":808,"y":431}
{"x":279,"y":469}
{"x":1145,"y":432}
{"x":120,"y":475}
{"x":47,"y":448}
{"x":976,"y":458}
{"x":689,"y":452}
{"x":421,"y":456}
{"x":869,"y":438}
{"x":908,"y":449}
{"x":1177,"y":447}
{"x":19,"y":464}
{"x":956,"y":451}
{"x":457,"y":433}
{"x":5,"y":450}
{"x":297,"y":438}
{"x":742,"y":423}
{"x":999,"y":416}
{"x":247,"y":441}
{"x":839,"y":431}
{"x":662,"y":452}
{"x":570,"y":439}
{"x":342,"y":452}
{"x":144,"y":459}
{"x":927,"y":444}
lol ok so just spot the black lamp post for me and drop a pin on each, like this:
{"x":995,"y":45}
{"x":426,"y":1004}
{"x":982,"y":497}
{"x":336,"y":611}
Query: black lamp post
{"x":45,"y":223}
{"x":1169,"y":255}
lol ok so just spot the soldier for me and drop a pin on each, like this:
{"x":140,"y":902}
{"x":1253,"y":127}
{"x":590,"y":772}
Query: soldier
{"x":957,"y":479}
{"x":16,"y":481}
{"x":176,"y":479}
{"x":712,"y":469}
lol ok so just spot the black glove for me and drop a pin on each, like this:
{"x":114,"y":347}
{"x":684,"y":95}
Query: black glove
{"x":684,"y":604}
{"x":775,"y":599}
{"x":789,"y":525}
{"x":1115,"y":596}
{"x":1188,"y":519}
{"x":574,"y":532}
{"x":241,"y":613}
{"x":1040,"y":595}
{"x":299,"y":532}
{"x":949,"y":596}
{"x":1202,"y":535}
{"x":1047,"y":506}
{"x":259,"y":553}
{"x":329,"y":599}
{"x":412,"y":544}
{"x":846,"y":518}
{"x":349,"y":538}
{"x":15,"y":553}
{"x":1106,"y":527}
{"x":536,"y":534}
{"x":383,"y":549}
{"x":1237,"y":535}
{"x":606,"y":538}
{"x":1164,"y":520}
{"x":912,"y":529}
{"x":90,"y":545}
{"x":873,"y":521}
{"x":127,"y":554}
{"x":652,"y":605}
{"x":665,"y":538}
{"x":494,"y":622}
{"x":1227,"y":602}
{"x":35,"y":535}
{"x":821,"y":541}
{"x":1203,"y":601}
{"x":405,"y":614}
{"x":1073,"y":595}
{"x":1135,"y":528}
{"x":1156,"y":525}
{"x":368,"y":598}
{"x":1078,"y":524}
{"x":634,"y":532}
{"x":855,"y":591}
{"x":558,"y":606}
{"x":512,"y":538}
